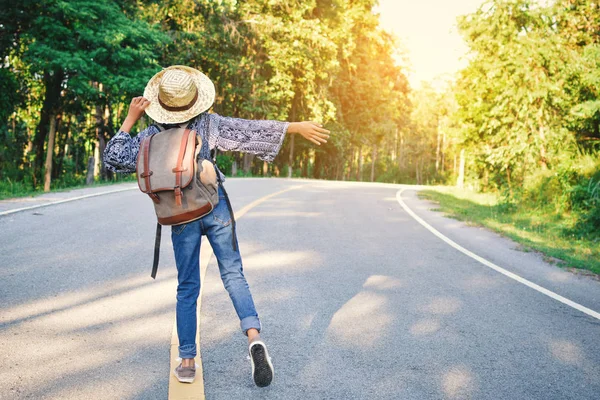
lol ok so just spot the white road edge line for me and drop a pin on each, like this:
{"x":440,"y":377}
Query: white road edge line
{"x":493,"y":266}
{"x":64,"y":201}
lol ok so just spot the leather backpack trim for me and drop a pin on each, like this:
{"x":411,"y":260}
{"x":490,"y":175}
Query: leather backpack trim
{"x":186,"y":217}
{"x":146,"y":173}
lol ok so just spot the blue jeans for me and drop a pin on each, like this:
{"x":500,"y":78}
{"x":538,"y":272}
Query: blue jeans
{"x":186,"y":244}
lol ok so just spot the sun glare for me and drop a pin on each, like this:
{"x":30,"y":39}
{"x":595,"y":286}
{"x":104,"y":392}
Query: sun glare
{"x":428,"y":34}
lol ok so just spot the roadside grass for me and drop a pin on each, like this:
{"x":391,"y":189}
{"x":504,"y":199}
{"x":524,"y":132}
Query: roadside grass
{"x":9,"y":189}
{"x":534,"y":229}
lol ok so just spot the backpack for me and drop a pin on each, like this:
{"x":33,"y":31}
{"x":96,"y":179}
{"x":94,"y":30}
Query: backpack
{"x":182,"y":185}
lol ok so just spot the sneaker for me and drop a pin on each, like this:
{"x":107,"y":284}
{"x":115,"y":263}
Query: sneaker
{"x":262,"y":368}
{"x":185,"y":374}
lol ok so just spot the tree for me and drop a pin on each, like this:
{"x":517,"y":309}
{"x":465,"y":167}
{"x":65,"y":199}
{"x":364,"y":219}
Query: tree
{"x":68,"y":44}
{"x":514,"y":94}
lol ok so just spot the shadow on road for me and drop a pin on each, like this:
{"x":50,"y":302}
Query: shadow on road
{"x":357,"y":301}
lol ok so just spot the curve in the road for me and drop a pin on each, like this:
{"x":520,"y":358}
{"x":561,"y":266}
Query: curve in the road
{"x":493,"y":266}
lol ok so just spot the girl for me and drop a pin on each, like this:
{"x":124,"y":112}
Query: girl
{"x":177,"y":95}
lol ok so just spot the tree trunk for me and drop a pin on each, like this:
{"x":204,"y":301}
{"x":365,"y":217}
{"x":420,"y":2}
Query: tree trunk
{"x":61,"y":145}
{"x":353,"y":161}
{"x":100,"y":112}
{"x":454,"y":168}
{"x":291,"y":159}
{"x":443,"y":152}
{"x":50,"y":106}
{"x":247,"y":162}
{"x":50,"y":153}
{"x":437,"y":151}
{"x":234,"y":168}
{"x":29,"y":137}
{"x":293,"y":116}
{"x":460,"y":182}
{"x":317,"y":167}
{"x":97,"y":158}
{"x":89,"y":179}
{"x":67,"y":148}
{"x":305,"y":165}
{"x":374,"y":159}
{"x":395,"y":149}
{"x":401,"y":152}
{"x":107,"y":129}
{"x":417,"y":176}
{"x":360,"y":164}
{"x":59,"y":142}
{"x":101,"y":147}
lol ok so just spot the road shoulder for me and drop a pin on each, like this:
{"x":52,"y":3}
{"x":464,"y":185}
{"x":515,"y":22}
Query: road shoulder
{"x":9,"y":206}
{"x":508,"y":254}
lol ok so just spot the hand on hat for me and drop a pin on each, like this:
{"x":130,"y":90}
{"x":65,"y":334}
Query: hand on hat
{"x":137,"y":107}
{"x":136,"y":110}
{"x":312,"y":131}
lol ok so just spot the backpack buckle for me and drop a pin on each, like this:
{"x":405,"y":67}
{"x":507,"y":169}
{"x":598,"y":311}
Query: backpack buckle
{"x":178,"y":195}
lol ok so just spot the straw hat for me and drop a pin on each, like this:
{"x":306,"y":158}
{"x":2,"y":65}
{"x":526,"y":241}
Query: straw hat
{"x":178,"y":93}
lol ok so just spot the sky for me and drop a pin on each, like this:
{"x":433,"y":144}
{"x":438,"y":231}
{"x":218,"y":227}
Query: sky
{"x":427,"y":31}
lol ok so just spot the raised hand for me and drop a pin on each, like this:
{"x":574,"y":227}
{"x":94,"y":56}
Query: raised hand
{"x":310,"y":130}
{"x":136,"y":110}
{"x":137,"y":107}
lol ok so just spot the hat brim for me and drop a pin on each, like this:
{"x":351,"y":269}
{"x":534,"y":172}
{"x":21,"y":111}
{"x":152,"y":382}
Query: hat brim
{"x":206,"y":97}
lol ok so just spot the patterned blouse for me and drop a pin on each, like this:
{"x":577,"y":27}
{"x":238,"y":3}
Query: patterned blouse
{"x":260,"y":137}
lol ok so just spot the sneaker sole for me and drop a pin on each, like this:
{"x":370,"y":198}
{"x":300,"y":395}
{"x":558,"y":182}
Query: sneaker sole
{"x":184,"y":380}
{"x":262,"y":369}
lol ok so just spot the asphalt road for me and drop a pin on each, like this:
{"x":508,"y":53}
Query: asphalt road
{"x":357,"y":301}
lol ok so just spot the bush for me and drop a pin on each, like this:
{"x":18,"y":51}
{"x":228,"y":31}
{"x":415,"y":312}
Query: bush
{"x":10,"y":188}
{"x":570,"y":192}
{"x":585,"y":198}
{"x":225,"y":163}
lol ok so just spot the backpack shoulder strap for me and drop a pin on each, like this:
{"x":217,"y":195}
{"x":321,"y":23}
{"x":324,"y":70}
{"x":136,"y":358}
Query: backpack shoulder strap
{"x":160,"y":127}
{"x":145,"y":175}
{"x":156,"y":250}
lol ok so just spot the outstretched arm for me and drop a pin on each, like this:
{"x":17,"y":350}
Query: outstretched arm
{"x":312,"y":131}
{"x":260,"y":137}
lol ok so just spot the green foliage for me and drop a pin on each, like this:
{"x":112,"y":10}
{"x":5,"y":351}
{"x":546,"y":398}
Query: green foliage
{"x":91,"y":41}
{"x":525,"y":110}
{"x":81,"y":61}
{"x":585,"y":200}
{"x":10,"y":94}
{"x":68,"y":60}
{"x":225,"y":162}
{"x":529,"y":114}
{"x":536,"y":228}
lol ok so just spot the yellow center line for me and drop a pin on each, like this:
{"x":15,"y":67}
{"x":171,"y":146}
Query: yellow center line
{"x":195,"y":390}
